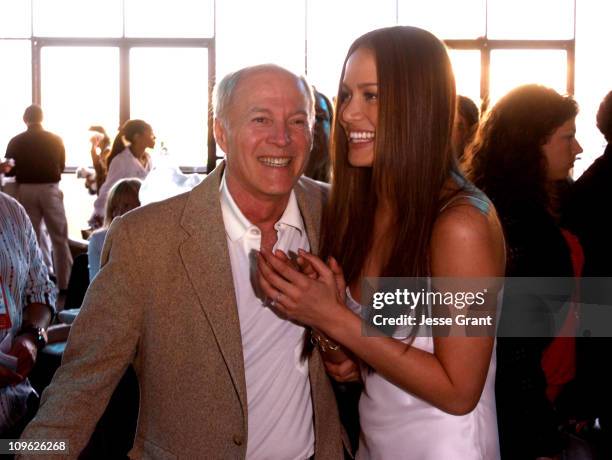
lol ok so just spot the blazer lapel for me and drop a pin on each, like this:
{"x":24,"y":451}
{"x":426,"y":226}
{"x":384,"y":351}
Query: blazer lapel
{"x":311,"y":207}
{"x":206,"y":259}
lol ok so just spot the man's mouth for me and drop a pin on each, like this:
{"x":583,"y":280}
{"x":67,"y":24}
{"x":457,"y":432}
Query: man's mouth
{"x":275,"y":162}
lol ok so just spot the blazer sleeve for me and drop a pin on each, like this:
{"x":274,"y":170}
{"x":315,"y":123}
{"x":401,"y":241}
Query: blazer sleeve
{"x":102,"y":343}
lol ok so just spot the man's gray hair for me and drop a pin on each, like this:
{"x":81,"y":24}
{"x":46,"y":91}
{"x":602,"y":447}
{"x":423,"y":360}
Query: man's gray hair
{"x":224,"y":90}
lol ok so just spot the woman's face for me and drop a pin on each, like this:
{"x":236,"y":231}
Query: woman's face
{"x":358,"y":110}
{"x":560,"y":151}
{"x":146,"y":138}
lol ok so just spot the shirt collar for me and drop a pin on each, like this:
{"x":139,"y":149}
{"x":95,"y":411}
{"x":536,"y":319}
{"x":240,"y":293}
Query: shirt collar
{"x":236,"y":224}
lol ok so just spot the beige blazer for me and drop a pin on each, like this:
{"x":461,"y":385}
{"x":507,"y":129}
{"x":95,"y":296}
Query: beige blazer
{"x":164,"y":301}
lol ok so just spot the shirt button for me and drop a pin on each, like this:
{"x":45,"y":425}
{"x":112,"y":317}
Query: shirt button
{"x":237,"y":439}
{"x":254,"y":232}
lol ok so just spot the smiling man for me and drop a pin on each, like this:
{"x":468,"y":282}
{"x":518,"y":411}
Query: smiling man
{"x":220,"y":374}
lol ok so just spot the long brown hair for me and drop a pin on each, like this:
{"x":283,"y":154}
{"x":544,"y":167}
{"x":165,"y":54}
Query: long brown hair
{"x":413,"y":155}
{"x":506,"y":160}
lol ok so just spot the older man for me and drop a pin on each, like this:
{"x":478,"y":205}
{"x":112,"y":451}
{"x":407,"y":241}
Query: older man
{"x":221,"y":375}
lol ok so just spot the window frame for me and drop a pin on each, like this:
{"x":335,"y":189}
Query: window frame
{"x":485,"y":46}
{"x":482,"y":44}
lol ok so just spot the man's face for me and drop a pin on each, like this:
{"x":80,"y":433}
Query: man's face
{"x":267,"y":135}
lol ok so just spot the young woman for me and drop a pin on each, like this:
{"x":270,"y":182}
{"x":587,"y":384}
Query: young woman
{"x":399,"y":208}
{"x":128,"y":158}
{"x":523,"y":151}
{"x":122,"y":197}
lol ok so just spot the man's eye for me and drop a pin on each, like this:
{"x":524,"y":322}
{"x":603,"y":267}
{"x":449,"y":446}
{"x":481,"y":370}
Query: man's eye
{"x":259,"y":119}
{"x":299,"y":121}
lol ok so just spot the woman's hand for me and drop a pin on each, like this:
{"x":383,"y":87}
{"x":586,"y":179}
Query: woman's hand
{"x":305,"y":298}
{"x":308,"y":269}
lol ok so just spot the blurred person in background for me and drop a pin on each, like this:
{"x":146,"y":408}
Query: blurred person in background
{"x":122,"y":197}
{"x":524,"y":147}
{"x":466,"y":124}
{"x":40,"y":159}
{"x":128,"y":158}
{"x":319,"y":163}
{"x":100,"y":151}
{"x":27,"y":297}
{"x":587,"y":215}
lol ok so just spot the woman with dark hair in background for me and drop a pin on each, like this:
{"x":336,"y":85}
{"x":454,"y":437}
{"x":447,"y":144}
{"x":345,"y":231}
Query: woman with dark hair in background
{"x":466,"y":124}
{"x":128,"y":158}
{"x":525,"y":145}
{"x":399,"y":208}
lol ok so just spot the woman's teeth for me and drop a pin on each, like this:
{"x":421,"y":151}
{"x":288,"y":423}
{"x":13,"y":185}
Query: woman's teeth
{"x":361,"y":136}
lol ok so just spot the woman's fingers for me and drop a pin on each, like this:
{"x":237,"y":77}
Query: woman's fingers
{"x":338,"y":276}
{"x":283,"y":269}
{"x":306,"y":268}
{"x":279,"y":301}
{"x":276,"y":281}
{"x":322,"y":270}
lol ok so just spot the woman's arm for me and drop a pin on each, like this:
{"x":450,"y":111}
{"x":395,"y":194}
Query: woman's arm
{"x":465,"y":243}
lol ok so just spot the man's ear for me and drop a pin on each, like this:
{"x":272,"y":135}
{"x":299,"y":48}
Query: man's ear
{"x":221,"y":134}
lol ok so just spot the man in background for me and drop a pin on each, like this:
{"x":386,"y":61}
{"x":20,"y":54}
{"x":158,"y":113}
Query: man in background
{"x":39,"y":158}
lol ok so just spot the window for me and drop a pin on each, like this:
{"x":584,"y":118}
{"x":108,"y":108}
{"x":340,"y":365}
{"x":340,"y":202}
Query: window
{"x":74,"y":60}
{"x":15,"y":19}
{"x":176,"y":18}
{"x":78,"y":18}
{"x":511,"y":68}
{"x":466,"y":67}
{"x":80,"y":88}
{"x":329,"y":40}
{"x":445,"y":18}
{"x":169,"y":90}
{"x":494,"y":45}
{"x":530,"y":20}
{"x":16,"y":88}
{"x":254,"y":32}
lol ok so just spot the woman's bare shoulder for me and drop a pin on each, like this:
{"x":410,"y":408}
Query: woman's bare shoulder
{"x":467,"y":242}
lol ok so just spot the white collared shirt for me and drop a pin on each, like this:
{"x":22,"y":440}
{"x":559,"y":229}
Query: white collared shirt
{"x":280,"y":417}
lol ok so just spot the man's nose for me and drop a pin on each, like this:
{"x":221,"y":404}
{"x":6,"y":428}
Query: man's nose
{"x":280,"y":134}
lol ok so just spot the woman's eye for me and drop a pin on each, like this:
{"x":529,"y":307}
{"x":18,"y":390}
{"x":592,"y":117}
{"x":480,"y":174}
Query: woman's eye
{"x":370,"y":96}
